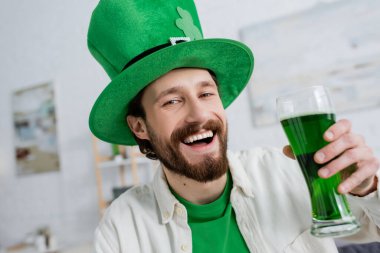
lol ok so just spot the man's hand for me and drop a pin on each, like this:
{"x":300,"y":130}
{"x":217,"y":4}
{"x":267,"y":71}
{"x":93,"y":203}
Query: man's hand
{"x":349,"y":154}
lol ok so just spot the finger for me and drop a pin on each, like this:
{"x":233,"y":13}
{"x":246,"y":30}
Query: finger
{"x":349,"y":157}
{"x":367,"y":186}
{"x":337,"y":147}
{"x":338,"y":129}
{"x":365,"y":173}
{"x":288,"y":151}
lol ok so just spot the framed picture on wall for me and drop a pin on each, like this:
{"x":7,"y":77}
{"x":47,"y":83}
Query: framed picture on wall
{"x":335,"y":44}
{"x":35,"y":130}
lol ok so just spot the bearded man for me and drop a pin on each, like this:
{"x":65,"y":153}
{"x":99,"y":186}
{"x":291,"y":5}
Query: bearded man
{"x":168,"y":94}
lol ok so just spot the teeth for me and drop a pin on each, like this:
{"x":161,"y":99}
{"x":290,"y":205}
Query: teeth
{"x":197,"y":137}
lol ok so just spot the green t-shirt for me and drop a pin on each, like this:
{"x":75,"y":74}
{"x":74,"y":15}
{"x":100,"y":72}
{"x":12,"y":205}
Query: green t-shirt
{"x":213,"y":226}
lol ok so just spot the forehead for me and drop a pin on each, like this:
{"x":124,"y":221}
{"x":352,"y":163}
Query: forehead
{"x":184,"y":77}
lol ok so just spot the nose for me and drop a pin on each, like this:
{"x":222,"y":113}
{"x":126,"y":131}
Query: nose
{"x":196,"y":112}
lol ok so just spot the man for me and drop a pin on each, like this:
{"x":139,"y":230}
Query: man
{"x":168,"y":93}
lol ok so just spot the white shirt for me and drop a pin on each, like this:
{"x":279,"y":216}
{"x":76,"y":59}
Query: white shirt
{"x":270,"y":199}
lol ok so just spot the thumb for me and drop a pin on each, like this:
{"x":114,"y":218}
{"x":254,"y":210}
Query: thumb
{"x":287,"y":150}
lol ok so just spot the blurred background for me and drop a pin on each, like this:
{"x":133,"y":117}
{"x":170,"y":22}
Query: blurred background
{"x":56,"y":179}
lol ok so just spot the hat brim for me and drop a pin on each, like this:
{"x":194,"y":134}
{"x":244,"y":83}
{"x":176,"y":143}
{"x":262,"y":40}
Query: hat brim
{"x":231,"y":61}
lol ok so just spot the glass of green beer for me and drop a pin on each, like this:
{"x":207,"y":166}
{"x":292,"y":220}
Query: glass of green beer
{"x":305,"y":115}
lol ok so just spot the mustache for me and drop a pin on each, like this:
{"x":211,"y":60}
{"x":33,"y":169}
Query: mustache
{"x":181,"y":133}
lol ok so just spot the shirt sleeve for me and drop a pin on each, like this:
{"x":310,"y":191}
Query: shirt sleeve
{"x":106,"y":238}
{"x":367,"y":210}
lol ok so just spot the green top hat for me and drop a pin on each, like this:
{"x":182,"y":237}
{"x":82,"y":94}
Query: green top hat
{"x":137,"y":41}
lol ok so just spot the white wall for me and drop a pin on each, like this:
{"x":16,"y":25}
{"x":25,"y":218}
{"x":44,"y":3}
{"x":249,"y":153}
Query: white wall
{"x":45,"y":40}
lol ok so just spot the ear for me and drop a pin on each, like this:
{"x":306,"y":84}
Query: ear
{"x":138,"y":127}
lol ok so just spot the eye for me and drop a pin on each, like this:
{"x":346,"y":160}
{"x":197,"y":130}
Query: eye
{"x":171,"y":102}
{"x":206,"y":94}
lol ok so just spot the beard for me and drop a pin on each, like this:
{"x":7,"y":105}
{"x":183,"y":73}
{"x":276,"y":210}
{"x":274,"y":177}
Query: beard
{"x":168,"y":152}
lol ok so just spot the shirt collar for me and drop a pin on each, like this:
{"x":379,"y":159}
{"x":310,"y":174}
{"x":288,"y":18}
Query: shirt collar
{"x":239,"y":175}
{"x":165,"y":199}
{"x":167,"y":202}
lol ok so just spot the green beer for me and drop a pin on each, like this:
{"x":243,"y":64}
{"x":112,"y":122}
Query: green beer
{"x":305,"y":116}
{"x":305,"y":134}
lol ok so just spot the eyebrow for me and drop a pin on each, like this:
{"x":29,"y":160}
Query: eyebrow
{"x":176,"y":89}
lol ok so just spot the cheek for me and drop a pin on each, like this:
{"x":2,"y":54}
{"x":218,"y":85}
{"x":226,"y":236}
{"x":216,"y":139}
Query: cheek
{"x":221,"y":113}
{"x":163,"y":126}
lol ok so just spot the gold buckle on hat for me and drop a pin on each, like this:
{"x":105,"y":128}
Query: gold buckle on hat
{"x":175,"y":40}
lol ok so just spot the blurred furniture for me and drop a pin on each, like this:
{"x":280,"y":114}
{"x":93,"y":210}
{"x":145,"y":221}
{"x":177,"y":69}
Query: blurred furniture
{"x":126,"y":158}
{"x":24,"y":248}
{"x":360,"y":248}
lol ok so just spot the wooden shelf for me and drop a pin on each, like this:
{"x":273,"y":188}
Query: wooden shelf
{"x":103,"y":162}
{"x":123,"y":162}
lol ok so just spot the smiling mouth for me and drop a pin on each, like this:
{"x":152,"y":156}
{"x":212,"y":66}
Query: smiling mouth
{"x":199,"y":139}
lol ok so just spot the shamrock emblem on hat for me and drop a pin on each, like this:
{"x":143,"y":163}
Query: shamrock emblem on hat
{"x":186,"y":24}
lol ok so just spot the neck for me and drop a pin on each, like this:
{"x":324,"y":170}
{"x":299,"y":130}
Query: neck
{"x":194,"y":191}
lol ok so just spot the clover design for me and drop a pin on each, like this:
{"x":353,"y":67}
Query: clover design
{"x":186,"y":24}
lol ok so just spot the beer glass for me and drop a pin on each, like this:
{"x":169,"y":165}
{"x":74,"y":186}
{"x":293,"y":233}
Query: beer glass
{"x":305,"y":115}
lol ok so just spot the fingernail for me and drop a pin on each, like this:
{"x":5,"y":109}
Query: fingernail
{"x":329,"y":135}
{"x":324,"y":172}
{"x":320,"y":156}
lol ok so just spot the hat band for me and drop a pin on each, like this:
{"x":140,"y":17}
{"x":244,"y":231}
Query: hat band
{"x":144,"y":54}
{"x":152,"y":50}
